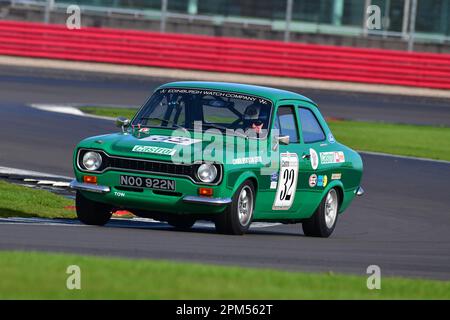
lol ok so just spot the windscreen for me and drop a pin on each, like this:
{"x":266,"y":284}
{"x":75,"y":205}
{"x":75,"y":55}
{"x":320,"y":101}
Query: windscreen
{"x":180,"y":108}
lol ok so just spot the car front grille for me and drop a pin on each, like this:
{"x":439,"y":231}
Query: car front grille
{"x":151,"y":166}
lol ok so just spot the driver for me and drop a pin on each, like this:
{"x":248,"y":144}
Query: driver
{"x":251,"y":117}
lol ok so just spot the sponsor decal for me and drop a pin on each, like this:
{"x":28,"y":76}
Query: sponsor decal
{"x":336,"y":176}
{"x":314,"y":158}
{"x":312,"y":180}
{"x":287,"y":184}
{"x":322,"y":181}
{"x":248,"y":160}
{"x":273,"y":180}
{"x":331,"y":138}
{"x":185,"y":141}
{"x":144,"y":130}
{"x":222,"y":94}
{"x":332,"y":157}
{"x":155,"y":150}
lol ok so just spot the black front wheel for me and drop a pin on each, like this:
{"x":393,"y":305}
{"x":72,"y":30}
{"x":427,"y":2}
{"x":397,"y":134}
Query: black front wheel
{"x":238,"y":216}
{"x":91,"y":212}
{"x":323,"y":221}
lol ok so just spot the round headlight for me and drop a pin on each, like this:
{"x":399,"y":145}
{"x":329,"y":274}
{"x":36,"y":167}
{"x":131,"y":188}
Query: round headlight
{"x":92,"y":160}
{"x":207,"y":173}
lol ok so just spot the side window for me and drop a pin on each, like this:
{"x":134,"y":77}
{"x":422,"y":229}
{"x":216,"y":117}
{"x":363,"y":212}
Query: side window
{"x":287,"y":123}
{"x":311,"y":129}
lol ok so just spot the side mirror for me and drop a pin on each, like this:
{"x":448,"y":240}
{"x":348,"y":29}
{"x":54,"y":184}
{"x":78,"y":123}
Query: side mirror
{"x":280,"y":140}
{"x":123,"y":123}
{"x":283,"y":140}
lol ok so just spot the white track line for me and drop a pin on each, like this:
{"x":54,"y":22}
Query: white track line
{"x":39,"y":221}
{"x":62,"y":184}
{"x":59,"y":222}
{"x":46,"y":182}
{"x":30,"y":173}
{"x":58,"y":108}
{"x":67,"y":109}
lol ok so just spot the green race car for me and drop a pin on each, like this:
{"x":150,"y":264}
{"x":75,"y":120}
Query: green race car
{"x":229,"y":153}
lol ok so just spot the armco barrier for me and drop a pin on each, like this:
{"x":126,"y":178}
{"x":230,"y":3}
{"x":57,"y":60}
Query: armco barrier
{"x":258,"y":57}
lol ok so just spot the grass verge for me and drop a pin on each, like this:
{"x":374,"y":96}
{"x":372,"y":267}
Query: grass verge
{"x":20,"y":201}
{"x":110,"y":112}
{"x":400,"y":139}
{"x":146,"y":279}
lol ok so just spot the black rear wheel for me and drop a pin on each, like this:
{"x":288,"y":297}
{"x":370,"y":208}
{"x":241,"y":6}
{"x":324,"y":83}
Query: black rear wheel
{"x":91,"y":212}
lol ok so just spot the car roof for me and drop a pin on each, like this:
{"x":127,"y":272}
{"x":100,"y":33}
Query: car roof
{"x":264,"y":92}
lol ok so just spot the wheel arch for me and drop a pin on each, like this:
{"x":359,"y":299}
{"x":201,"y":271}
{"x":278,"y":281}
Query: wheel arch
{"x":336,"y":184}
{"x":246,"y":175}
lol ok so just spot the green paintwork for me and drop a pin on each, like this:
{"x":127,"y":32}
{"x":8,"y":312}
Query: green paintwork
{"x":306,"y":198}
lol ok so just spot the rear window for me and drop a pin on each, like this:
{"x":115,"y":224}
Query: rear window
{"x":311,"y":129}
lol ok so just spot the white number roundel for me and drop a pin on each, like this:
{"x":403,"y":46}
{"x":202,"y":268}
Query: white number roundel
{"x":314,"y":158}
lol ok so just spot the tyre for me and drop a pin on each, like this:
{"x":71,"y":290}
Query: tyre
{"x":323,"y":221}
{"x":181,"y":222}
{"x":238,"y":216}
{"x":91,"y":212}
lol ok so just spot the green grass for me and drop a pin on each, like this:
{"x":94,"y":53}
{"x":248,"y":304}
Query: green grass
{"x":20,"y":201}
{"x":43,"y":276}
{"x":110,"y":112}
{"x":407,"y":140}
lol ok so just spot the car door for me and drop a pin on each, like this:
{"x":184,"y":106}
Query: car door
{"x":313,"y":175}
{"x":285,"y":199}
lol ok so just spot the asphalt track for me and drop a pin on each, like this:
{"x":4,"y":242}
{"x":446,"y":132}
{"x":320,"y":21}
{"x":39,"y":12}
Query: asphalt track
{"x":402,"y":224}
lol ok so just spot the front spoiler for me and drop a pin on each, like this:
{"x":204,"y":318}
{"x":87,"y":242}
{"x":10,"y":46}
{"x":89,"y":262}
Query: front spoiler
{"x":187,"y":199}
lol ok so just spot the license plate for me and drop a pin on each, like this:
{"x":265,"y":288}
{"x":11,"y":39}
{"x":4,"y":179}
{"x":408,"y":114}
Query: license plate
{"x":151,"y":183}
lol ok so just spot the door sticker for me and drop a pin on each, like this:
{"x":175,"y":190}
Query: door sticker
{"x":313,"y":180}
{"x":287,"y":182}
{"x":273,"y":180}
{"x":332,"y":157}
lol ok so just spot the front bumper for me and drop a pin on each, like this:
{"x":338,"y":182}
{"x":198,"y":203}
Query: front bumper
{"x":74,"y":184}
{"x":207,"y":200}
{"x":187,"y":199}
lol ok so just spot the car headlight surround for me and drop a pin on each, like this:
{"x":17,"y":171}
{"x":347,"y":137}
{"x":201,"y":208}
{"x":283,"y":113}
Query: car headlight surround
{"x":92,"y":161}
{"x":207,"y":172}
